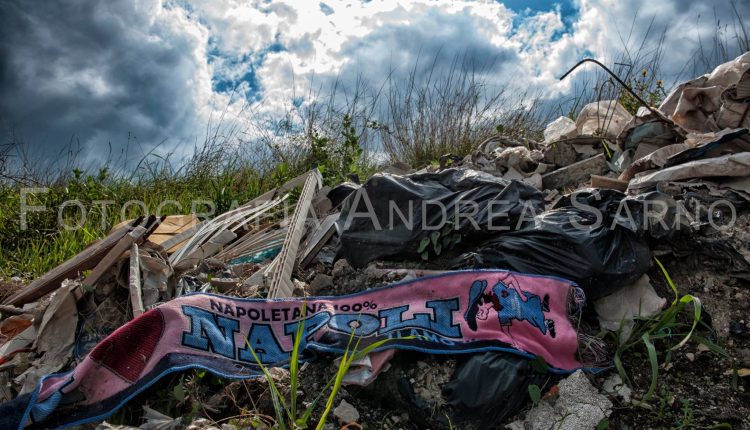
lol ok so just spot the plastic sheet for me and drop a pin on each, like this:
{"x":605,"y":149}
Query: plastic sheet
{"x":489,"y":387}
{"x":600,"y":254}
{"x":484,"y":204}
{"x":340,"y":192}
{"x":561,"y":128}
{"x":606,"y":118}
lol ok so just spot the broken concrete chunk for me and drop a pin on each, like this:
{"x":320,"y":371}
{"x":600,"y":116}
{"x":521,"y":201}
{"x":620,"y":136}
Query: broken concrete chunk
{"x":346,"y":413}
{"x":576,"y":173}
{"x":560,"y":154}
{"x":586,"y":150}
{"x":320,"y":283}
{"x":615,"y":387}
{"x":579,"y":405}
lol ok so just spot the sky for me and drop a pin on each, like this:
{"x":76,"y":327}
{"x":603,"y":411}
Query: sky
{"x":122,"y":77}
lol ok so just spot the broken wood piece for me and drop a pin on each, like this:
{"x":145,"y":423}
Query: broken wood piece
{"x":113,"y":255}
{"x":214,"y":245}
{"x":226,"y":221}
{"x":253,"y":243}
{"x":170,"y":227}
{"x":607,"y":182}
{"x":575,"y":173}
{"x":319,"y":238}
{"x":174,"y":243}
{"x":84,"y":260}
{"x":281,"y":276}
{"x":134,"y":284}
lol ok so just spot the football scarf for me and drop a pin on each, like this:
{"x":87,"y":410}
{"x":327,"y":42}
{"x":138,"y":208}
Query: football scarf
{"x":452,"y":313}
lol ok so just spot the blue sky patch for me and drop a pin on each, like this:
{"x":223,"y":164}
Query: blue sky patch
{"x":328,"y":10}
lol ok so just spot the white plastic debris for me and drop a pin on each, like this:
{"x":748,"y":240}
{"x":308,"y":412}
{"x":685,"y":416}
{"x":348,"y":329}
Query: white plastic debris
{"x":606,"y":118}
{"x":615,"y":387}
{"x":561,"y":128}
{"x":620,"y":307}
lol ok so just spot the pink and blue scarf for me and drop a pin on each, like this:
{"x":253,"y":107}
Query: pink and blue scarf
{"x":453,"y":313}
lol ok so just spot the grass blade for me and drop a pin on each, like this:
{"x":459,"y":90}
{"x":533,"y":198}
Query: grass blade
{"x":279,"y":404}
{"x":669,"y":279}
{"x":294,"y":363}
{"x":652,"y":358}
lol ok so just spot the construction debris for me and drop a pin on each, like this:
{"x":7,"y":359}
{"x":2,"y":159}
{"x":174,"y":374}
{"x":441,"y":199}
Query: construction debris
{"x":346,"y":413}
{"x":575,"y":173}
{"x":579,"y":217}
{"x":577,"y":405}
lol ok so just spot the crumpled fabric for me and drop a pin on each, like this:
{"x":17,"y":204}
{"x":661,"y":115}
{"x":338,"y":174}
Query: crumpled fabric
{"x":734,"y":112}
{"x":451,"y":313}
{"x":693,"y":104}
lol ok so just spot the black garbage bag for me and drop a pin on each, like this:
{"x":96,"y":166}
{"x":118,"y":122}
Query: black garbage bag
{"x":490,"y":387}
{"x":596,"y":238}
{"x":390,"y":215}
{"x":340,"y":192}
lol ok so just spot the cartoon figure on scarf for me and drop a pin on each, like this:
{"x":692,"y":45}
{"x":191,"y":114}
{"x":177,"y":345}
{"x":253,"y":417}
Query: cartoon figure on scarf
{"x":510,"y":302}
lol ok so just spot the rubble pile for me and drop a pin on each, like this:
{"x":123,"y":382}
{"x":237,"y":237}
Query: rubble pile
{"x":592,"y":205}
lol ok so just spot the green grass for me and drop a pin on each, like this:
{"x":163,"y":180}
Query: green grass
{"x":221,"y":172}
{"x":46,"y":243}
{"x":669,"y":331}
{"x":288,"y":415}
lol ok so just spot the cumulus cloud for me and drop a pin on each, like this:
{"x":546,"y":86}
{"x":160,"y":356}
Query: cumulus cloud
{"x":106,"y":71}
{"x":97,"y":71}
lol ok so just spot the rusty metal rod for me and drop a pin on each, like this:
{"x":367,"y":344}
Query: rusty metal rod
{"x":624,"y":85}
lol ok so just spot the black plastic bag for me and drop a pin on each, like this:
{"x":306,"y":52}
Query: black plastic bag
{"x":490,"y":387}
{"x":340,"y":192}
{"x":390,"y":215}
{"x":596,"y":238}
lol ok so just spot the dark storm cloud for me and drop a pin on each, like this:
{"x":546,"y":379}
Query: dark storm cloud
{"x":393,"y":49}
{"x":94,"y":70}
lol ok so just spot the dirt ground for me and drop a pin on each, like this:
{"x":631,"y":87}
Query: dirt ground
{"x":695,"y":389}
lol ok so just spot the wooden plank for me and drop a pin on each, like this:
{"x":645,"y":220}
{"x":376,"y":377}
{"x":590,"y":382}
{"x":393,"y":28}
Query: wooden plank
{"x":134,"y":284}
{"x":319,"y":239}
{"x":170,"y":227}
{"x":606,"y":182}
{"x":254,"y":245}
{"x":170,"y":245}
{"x":281,"y":277}
{"x":84,"y":260}
{"x":204,"y":251}
{"x":113,"y":255}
